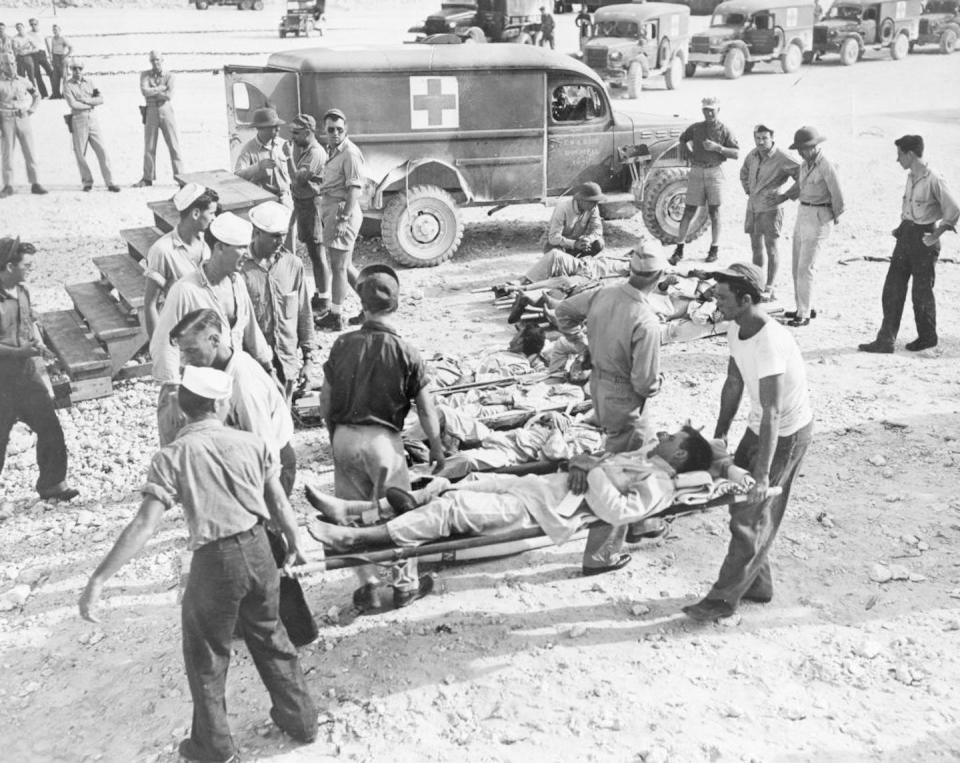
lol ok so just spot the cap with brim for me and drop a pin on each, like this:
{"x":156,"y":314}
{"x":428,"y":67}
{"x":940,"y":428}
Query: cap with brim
{"x":231,"y":230}
{"x":334,"y":114}
{"x":266,"y":118}
{"x":646,"y":259}
{"x":207,"y":382}
{"x":304,"y":122}
{"x":742,"y":272}
{"x":377,"y":267}
{"x":590,"y":192}
{"x":270,"y":217}
{"x":806,"y":137}
{"x":710,"y":102}
{"x":183,"y":198}
{"x":379,"y":292}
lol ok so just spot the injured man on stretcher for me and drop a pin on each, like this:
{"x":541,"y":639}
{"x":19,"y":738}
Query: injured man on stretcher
{"x":617,"y":489}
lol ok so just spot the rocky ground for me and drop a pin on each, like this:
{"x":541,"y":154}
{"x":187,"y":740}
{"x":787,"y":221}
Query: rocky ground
{"x":521,"y":658}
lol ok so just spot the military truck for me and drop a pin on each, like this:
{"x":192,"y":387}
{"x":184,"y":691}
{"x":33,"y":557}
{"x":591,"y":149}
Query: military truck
{"x":241,"y":5}
{"x":940,"y":25}
{"x":851,"y":27}
{"x":630,"y":42}
{"x":744,"y":32}
{"x":494,"y":20}
{"x":443,"y":127}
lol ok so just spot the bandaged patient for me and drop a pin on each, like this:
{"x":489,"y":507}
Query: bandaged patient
{"x":618,"y":489}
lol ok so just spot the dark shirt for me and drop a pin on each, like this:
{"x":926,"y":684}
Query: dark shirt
{"x":16,"y":328}
{"x":716,"y":131}
{"x":374,"y":375}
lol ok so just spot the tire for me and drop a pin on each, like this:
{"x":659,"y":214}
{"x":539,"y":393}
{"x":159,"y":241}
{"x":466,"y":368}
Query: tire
{"x":663,"y":203}
{"x":690,"y":69}
{"x":734,"y":63}
{"x":663,"y":53}
{"x":887,"y":30}
{"x":422,"y":227}
{"x":245,"y":5}
{"x":791,"y":59}
{"x":282,"y":34}
{"x":674,"y":73}
{"x":202,"y":5}
{"x":948,"y":41}
{"x":258,"y":5}
{"x":634,"y":80}
{"x":900,"y":47}
{"x":475,"y":34}
{"x":849,"y":52}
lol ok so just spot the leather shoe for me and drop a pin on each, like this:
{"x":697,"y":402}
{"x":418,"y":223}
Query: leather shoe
{"x":113,"y":188}
{"x":87,"y":188}
{"x":331,"y":322}
{"x":67,"y":494}
{"x":519,"y":305}
{"x":142,"y":183}
{"x":38,"y":189}
{"x":403,"y":598}
{"x":793,"y":314}
{"x":876,"y":347}
{"x":677,"y":255}
{"x":646,"y":529}
{"x":298,"y":736}
{"x":356,"y":320}
{"x":711,"y":254}
{"x":916,"y":345}
{"x":400,"y":500}
{"x":758,"y":598}
{"x":709,"y":609}
{"x":6,"y":191}
{"x":367,"y":597}
{"x":798,"y":322}
{"x":622,"y":561}
{"x":319,"y":305}
{"x":188,"y":751}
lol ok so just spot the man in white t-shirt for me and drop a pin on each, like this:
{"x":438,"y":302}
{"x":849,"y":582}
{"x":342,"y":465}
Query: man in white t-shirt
{"x":766,"y":362}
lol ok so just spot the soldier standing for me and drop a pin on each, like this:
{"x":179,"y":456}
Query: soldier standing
{"x":24,"y":49}
{"x":547,"y":27}
{"x":60,"y":50}
{"x":18,"y":100}
{"x":157,"y":88}
{"x":265,"y":159}
{"x":82,"y":98}
{"x":40,"y":60}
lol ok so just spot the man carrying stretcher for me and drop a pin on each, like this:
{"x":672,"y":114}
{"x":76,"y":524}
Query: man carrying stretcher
{"x":618,"y":489}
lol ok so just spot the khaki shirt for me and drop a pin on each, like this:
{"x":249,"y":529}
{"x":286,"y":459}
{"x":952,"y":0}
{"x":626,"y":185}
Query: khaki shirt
{"x":170,"y":259}
{"x":276,"y":180}
{"x":157,"y":89}
{"x":16,"y":94}
{"x":567,"y":224}
{"x":818,"y":185}
{"x":926,"y":198}
{"x":256,"y":404}
{"x":79,"y":95}
{"x":762,"y":175}
{"x":344,"y":169}
{"x":312,"y":158}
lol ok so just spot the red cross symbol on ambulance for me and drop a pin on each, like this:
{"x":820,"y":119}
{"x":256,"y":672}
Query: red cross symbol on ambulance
{"x":434,"y":103}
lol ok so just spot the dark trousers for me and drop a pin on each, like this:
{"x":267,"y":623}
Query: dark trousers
{"x":56,"y":79}
{"x":753,"y":526}
{"x":27,"y":68}
{"x":24,"y":397}
{"x":234,"y":581}
{"x":911,"y":259}
{"x":41,"y":62}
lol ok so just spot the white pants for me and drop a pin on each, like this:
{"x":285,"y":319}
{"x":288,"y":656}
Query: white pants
{"x":812,"y":229}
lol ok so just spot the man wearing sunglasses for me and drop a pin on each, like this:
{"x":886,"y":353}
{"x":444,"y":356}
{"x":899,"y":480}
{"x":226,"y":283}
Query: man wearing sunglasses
{"x":18,"y":100}
{"x":83,"y":97}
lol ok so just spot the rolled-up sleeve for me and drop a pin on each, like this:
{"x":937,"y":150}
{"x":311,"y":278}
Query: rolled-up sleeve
{"x":352,"y":170}
{"x":950,"y":211}
{"x":161,"y":481}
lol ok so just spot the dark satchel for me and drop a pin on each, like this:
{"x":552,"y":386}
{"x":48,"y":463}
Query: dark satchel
{"x":143,"y":114}
{"x":68,"y":118}
{"x":295,"y":613}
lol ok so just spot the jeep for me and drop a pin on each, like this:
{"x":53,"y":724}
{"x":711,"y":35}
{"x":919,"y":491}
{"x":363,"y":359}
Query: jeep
{"x":448,"y":126}
{"x":940,"y":25}
{"x":743,"y":32}
{"x":494,"y":20}
{"x":628,"y":43}
{"x":852,"y":26}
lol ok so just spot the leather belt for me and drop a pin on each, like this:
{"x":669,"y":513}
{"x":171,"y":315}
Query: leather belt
{"x":616,"y":379}
{"x":809,"y":204}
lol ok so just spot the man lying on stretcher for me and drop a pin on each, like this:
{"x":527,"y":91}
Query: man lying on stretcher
{"x":618,"y":489}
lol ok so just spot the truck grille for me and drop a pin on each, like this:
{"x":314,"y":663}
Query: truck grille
{"x":820,"y":34}
{"x":596,"y":58}
{"x":925,"y":26}
{"x":700,"y":45}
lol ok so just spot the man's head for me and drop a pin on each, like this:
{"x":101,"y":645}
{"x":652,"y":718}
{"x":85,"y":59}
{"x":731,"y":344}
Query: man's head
{"x":686,"y":450}
{"x":647,"y":265}
{"x":156,"y":61}
{"x":14,"y":261}
{"x":229,"y":240}
{"x":763,"y":137}
{"x":270,"y":222}
{"x":529,"y":339}
{"x":909,"y":149}
{"x":267,"y":123}
{"x":303,"y":130}
{"x":56,"y":30}
{"x":19,"y":28}
{"x":588,"y":196}
{"x":335,"y":127}
{"x":204,"y":392}
{"x":197,"y":204}
{"x":806,"y":141}
{"x":739,"y":289}
{"x":34,"y":24}
{"x":199,"y":335}
{"x":379,"y":289}
{"x":710,"y":106}
{"x":76,"y":69}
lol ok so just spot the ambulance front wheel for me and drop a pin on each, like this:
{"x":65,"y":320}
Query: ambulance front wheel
{"x":422,"y":227}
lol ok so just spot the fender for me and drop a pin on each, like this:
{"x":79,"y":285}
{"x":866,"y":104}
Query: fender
{"x":738,"y":44}
{"x":442,"y":174}
{"x":854,"y":36}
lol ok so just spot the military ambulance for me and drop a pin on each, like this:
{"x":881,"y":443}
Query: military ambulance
{"x":449,"y":126}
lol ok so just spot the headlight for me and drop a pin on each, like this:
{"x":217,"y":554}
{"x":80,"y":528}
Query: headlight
{"x":616,"y":57}
{"x":834,"y":32}
{"x":451,"y":26}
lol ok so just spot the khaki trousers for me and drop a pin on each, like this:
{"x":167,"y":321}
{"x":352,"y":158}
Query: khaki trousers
{"x":13,"y":129}
{"x":86,"y":131}
{"x":160,"y":119}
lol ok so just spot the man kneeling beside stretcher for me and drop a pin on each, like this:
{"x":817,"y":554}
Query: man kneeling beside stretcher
{"x":618,"y":489}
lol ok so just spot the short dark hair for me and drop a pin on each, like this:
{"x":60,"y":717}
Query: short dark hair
{"x":204,"y":200}
{"x":532,"y":337}
{"x":740,"y":288}
{"x":699,"y":451}
{"x":910,"y":144}
{"x":196,"y":320}
{"x":193,"y":404}
{"x":762,"y":128}
{"x":12,"y":251}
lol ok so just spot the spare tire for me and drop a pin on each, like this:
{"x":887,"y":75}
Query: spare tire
{"x":664,"y":199}
{"x":422,"y":227}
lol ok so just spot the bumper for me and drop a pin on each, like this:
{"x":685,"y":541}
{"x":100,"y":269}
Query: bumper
{"x":705,"y":58}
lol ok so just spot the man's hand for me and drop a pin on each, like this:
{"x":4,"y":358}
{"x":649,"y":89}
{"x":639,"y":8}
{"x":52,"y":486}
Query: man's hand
{"x":33,"y":349}
{"x":293,"y":559}
{"x":265,"y":165}
{"x":577,"y":480}
{"x":437,"y":457}
{"x":712,"y":145}
{"x":90,"y":600}
{"x":930,"y":239}
{"x":343,"y":229}
{"x":758,"y":492}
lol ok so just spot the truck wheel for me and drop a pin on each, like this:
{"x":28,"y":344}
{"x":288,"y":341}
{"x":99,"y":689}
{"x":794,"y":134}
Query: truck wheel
{"x":245,"y":5}
{"x":422,"y":227}
{"x":664,"y":198}
{"x":900,"y":47}
{"x":791,"y":59}
{"x":282,"y":34}
{"x":948,"y":41}
{"x":202,"y":5}
{"x":849,"y":52}
{"x":734,"y":63}
{"x":674,"y":73}
{"x":475,"y":34}
{"x":690,"y":69}
{"x":258,"y":5}
{"x":634,"y":80}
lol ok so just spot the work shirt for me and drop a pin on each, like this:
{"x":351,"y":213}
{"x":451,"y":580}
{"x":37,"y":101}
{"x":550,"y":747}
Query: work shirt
{"x":256,"y":404}
{"x":23,"y":45}
{"x":373,"y":376}
{"x":195,"y":292}
{"x":926,"y":198}
{"x":218,"y":475}
{"x":343,"y":170}
{"x":36,"y":40}
{"x":276,"y":180}
{"x":281,"y":304}
{"x":312,"y":158}
{"x":16,"y":94}
{"x":171,"y":258}
{"x":157,"y":89}
{"x":818,"y":185}
{"x":772,"y":351}
{"x":567,"y":224}
{"x":762,"y":175}
{"x":79,"y":95}
{"x":59,"y":46}
{"x":547,"y":23}
{"x":623,"y":334}
{"x":698,"y":132}
{"x":17,"y":328}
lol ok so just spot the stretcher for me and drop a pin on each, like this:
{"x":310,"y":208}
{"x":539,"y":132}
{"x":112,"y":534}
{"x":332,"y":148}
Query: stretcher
{"x":688,"y":500}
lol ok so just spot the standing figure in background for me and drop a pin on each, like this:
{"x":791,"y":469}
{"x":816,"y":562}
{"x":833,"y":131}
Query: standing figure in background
{"x":60,"y":50}
{"x":157,"y":88}
{"x":40,"y":60}
{"x":83,"y":97}
{"x":18,"y":100}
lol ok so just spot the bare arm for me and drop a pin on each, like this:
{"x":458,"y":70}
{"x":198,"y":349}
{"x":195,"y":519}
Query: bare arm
{"x":283,"y":517}
{"x":729,"y":399}
{"x":324,"y":406}
{"x":427,"y":413}
{"x":771,"y":397}
{"x":151,"y":296}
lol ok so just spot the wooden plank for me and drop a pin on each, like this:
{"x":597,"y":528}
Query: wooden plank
{"x":125,"y":275}
{"x":90,"y":389}
{"x":102,"y":313}
{"x":66,"y":336}
{"x":139,"y":240}
{"x":235,"y":192}
{"x":165,"y":215}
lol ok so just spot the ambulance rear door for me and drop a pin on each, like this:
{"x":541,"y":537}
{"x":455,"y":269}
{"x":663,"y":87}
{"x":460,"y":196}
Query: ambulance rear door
{"x":250,"y":88}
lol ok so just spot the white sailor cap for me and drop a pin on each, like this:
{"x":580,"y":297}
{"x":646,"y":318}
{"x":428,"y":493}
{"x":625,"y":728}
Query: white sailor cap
{"x":187,"y":195}
{"x":270,"y":217}
{"x":710,"y":102}
{"x":231,"y":230}
{"x":207,"y":382}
